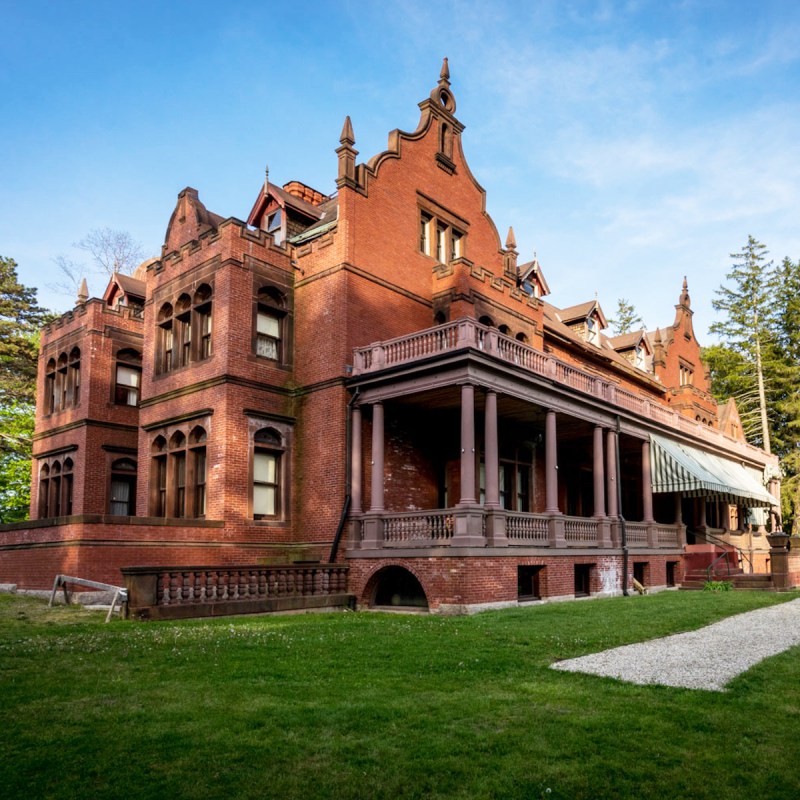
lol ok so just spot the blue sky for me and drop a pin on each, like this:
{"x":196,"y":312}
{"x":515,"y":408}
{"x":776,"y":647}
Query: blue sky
{"x":628,"y":143}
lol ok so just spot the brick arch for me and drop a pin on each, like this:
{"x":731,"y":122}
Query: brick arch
{"x":394,"y":585}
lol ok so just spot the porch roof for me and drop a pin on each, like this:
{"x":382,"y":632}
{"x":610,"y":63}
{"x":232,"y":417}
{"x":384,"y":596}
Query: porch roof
{"x":682,"y":468}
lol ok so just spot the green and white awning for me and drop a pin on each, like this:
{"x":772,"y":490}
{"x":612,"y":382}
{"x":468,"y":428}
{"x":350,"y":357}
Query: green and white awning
{"x":678,"y":467}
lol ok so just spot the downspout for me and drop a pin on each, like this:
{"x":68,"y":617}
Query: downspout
{"x":348,"y":485}
{"x":623,"y":531}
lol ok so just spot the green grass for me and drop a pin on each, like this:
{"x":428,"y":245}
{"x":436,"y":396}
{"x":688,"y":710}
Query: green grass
{"x":358,"y":706}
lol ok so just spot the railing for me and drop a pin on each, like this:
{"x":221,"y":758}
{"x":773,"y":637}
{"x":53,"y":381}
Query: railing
{"x":201,"y":591}
{"x":727,"y":548}
{"x":466,"y":333}
{"x":579,"y":530}
{"x":667,"y":535}
{"x":428,"y":527}
{"x":636,"y":533}
{"x":526,"y":528}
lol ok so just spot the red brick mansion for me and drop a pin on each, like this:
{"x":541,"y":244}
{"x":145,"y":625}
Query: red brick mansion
{"x":375,"y":378}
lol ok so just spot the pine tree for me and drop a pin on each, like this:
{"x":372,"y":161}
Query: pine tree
{"x":627,"y":318}
{"x":749,"y":323}
{"x":20,"y":320}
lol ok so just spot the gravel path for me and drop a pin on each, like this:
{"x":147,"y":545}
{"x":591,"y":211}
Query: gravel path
{"x":707,"y":658}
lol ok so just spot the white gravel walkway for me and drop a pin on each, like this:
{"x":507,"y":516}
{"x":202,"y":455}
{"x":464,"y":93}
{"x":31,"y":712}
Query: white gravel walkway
{"x":707,"y":658}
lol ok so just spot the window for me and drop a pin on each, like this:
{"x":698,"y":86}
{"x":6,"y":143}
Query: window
{"x":448,"y":240}
{"x":274,"y":221}
{"x":122,"y":497}
{"x":514,"y":480}
{"x":184,"y":332}
{"x":267,"y":458}
{"x":638,"y":357}
{"x":529,"y":582}
{"x":178,"y":482}
{"x":55,"y":489}
{"x":591,"y":330}
{"x":686,"y":375}
{"x":63,"y":382}
{"x":583,"y":580}
{"x":270,"y":324}
{"x":128,"y":378}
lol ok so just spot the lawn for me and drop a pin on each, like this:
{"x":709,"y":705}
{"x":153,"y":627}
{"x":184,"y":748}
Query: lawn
{"x":345,"y":705}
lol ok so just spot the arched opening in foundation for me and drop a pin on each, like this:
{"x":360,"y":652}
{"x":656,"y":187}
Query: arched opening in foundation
{"x":396,"y":587}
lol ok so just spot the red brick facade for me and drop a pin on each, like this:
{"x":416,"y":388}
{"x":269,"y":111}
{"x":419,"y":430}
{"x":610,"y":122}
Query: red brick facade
{"x":369,"y":376}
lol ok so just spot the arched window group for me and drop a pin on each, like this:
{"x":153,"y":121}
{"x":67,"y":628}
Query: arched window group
{"x":178,"y":474}
{"x":271,"y":324}
{"x":63,"y":381}
{"x":184,"y":330}
{"x":55,"y":488}
{"x":504,"y":329}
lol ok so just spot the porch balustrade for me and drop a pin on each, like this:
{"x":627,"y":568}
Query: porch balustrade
{"x":436,"y":528}
{"x":466,"y":333}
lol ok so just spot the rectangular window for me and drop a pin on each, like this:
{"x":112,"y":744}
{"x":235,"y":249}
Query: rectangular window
{"x":199,"y":481}
{"x":424,"y":233}
{"x":121,"y":490}
{"x":529,"y":582}
{"x":455,"y":244}
{"x":441,"y":242}
{"x":265,"y":484}
{"x":166,"y":350}
{"x":161,"y":486}
{"x":126,"y":392}
{"x":205,"y":332}
{"x":185,"y":338}
{"x":268,"y":333}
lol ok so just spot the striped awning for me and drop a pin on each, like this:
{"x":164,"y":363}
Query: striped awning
{"x":678,"y":467}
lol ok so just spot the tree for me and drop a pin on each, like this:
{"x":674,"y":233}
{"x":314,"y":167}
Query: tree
{"x":748,"y":325}
{"x":110,"y":250}
{"x":20,"y":320}
{"x":627,"y":319}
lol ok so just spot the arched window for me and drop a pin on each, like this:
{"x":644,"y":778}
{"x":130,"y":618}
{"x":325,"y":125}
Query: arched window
{"x":61,"y":383}
{"x":66,"y":488}
{"x":488,"y":321}
{"x":128,"y":377}
{"x":202,"y":310}
{"x":271,"y":324}
{"x":267,"y":472}
{"x":521,"y":337}
{"x":197,"y":470}
{"x":165,"y":342}
{"x":74,"y":378}
{"x":44,"y":491}
{"x":122,"y":502}
{"x":183,"y":329}
{"x":504,"y":329}
{"x":439,"y":318}
{"x":51,"y":397}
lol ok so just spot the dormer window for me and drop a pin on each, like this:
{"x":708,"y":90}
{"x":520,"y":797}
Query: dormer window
{"x":274,"y":226}
{"x":592,"y":332}
{"x":686,"y":375}
{"x":639,"y":357}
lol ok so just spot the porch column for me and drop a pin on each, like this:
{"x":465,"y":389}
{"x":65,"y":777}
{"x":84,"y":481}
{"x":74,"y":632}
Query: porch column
{"x":678,"y":508}
{"x":551,"y":464}
{"x":356,"y":467}
{"x":611,"y":472}
{"x":467,"y":445}
{"x":376,"y":498}
{"x":597,"y":472}
{"x":491,"y":449}
{"x":647,"y":486}
{"x":702,"y":512}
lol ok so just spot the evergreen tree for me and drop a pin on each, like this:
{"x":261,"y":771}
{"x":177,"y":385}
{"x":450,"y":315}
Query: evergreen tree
{"x":627,"y":319}
{"x":749,"y":323}
{"x":20,"y":320}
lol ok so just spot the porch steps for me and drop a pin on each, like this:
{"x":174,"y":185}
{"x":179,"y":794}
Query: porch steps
{"x":696,"y":580}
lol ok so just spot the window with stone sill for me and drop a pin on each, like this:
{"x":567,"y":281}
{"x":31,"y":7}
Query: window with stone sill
{"x":178,"y":479}
{"x":268,"y":484}
{"x":55,"y":488}
{"x":128,"y":377}
{"x":271,"y":315}
{"x":184,"y":331}
{"x":122,"y":490}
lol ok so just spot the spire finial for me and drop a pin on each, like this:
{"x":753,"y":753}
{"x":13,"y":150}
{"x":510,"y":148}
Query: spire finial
{"x":684,"y":300}
{"x":511,"y":242}
{"x":266,"y":179}
{"x":347,"y":137}
{"x":444,"y":75}
{"x":83,"y":292}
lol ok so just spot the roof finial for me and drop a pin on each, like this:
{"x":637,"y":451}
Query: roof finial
{"x":444,"y":75}
{"x":684,"y":300}
{"x":347,"y":137}
{"x":511,"y":242}
{"x":83,"y":292}
{"x":266,"y":179}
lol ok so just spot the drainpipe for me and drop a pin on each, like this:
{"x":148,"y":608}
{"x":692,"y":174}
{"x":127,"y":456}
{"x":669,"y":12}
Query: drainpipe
{"x":622,"y":529}
{"x":348,"y":458}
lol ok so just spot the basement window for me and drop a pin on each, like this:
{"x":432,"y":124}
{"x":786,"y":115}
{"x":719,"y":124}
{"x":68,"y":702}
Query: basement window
{"x":583,"y":577}
{"x":529,"y":580}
